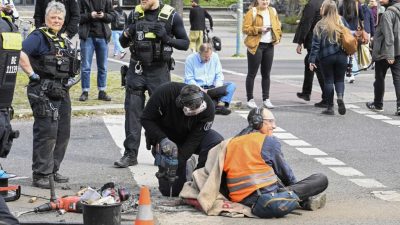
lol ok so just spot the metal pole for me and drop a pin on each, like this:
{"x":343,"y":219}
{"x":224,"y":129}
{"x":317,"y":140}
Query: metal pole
{"x":239,"y":27}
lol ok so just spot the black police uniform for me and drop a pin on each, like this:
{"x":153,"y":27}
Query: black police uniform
{"x":53,"y":60}
{"x":153,"y":54}
{"x":10,"y":46}
{"x":163,"y":118}
{"x":72,"y":15}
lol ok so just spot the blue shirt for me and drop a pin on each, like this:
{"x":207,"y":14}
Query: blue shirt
{"x":36,"y":44}
{"x":203,"y":74}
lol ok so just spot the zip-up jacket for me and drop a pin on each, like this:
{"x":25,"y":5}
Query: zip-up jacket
{"x":86,"y":21}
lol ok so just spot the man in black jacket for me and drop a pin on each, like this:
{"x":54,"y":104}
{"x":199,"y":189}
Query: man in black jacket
{"x":153,"y":31}
{"x":180,"y":116}
{"x":94,"y":34}
{"x":71,"y":18}
{"x":197,"y":17}
{"x":303,"y":38}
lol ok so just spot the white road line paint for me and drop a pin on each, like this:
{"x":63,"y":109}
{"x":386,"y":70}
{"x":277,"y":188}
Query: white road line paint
{"x":279,"y":129}
{"x":145,"y":170}
{"x":242,"y":111}
{"x":362,"y":111}
{"x":118,"y":61}
{"x":351,"y":106}
{"x":296,"y":143}
{"x":391,"y":196}
{"x":346,"y":171}
{"x":392,"y":122}
{"x":311,"y":151}
{"x":368,"y":183}
{"x":285,"y":136}
{"x":379,"y":117}
{"x":329,"y":161}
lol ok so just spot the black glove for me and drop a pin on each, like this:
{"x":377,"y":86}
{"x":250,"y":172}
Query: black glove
{"x":131,"y":30}
{"x":160,"y":31}
{"x":34,"y":77}
{"x":168,"y":147}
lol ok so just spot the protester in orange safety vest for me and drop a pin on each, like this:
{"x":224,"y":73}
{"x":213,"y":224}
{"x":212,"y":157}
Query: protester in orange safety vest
{"x":255,"y":165}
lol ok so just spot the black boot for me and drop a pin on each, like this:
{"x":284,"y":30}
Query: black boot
{"x":127,"y":160}
{"x":341,"y":106}
{"x":41,"y":182}
{"x":328,"y":111}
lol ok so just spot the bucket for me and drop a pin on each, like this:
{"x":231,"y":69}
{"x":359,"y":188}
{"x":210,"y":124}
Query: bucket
{"x":102,"y":214}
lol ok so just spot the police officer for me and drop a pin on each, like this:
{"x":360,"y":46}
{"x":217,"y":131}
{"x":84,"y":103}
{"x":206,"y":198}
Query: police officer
{"x":72,"y":16}
{"x":178,"y":117}
{"x":49,"y":61}
{"x":153,"y":31}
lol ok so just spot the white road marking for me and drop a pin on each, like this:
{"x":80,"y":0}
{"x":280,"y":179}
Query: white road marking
{"x":351,"y":106}
{"x":145,"y":170}
{"x":296,"y":143}
{"x":346,"y":171}
{"x":285,"y":136}
{"x":391,"y":196}
{"x":363,"y":112}
{"x":311,"y":151}
{"x":392,"y":122}
{"x":329,"y":161}
{"x":368,"y":183}
{"x":379,"y":117}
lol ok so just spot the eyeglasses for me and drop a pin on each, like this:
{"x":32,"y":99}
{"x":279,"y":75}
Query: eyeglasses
{"x":269,"y":120}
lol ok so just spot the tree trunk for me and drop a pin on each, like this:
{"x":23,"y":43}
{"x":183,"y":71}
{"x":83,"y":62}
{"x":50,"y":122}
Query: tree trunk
{"x":178,"y":5}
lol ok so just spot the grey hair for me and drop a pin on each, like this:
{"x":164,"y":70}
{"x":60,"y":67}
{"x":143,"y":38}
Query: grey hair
{"x":54,"y":6}
{"x":205,"y":47}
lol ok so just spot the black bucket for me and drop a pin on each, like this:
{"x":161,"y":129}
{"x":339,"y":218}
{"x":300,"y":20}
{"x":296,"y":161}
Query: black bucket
{"x":102,"y":214}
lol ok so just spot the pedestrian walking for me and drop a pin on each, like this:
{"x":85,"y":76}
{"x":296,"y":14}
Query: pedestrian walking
{"x":117,"y":26}
{"x":387,"y":55}
{"x":197,"y":18}
{"x":154,"y":30}
{"x":303,"y":37}
{"x":332,"y":58}
{"x":263,"y":29}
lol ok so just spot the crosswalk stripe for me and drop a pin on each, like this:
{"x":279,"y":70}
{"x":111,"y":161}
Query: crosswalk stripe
{"x":368,"y":183}
{"x":346,"y":171}
{"x":329,"y":161}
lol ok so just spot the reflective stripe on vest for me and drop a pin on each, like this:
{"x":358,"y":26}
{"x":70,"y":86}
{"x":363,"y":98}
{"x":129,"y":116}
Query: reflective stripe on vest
{"x":245,"y":168}
{"x":56,"y":40}
{"x":165,"y":12}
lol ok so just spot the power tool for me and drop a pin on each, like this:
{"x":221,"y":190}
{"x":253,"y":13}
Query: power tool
{"x":69,"y":204}
{"x":169,"y":165}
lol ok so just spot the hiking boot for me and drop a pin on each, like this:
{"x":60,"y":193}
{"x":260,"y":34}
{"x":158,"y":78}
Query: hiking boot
{"x":103,"y":96}
{"x":267,"y":104}
{"x":41,"y":182}
{"x":314,"y":202}
{"x":251,"y":104}
{"x":373,"y":107}
{"x":126,"y":160}
{"x":303,"y":96}
{"x":222,"y":110}
{"x":60,"y":178}
{"x":84,"y":96}
{"x":328,"y":111}
{"x":321,"y":104}
{"x":341,"y":107}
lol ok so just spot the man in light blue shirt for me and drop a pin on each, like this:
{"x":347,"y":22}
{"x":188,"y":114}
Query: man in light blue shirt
{"x":204,"y":69}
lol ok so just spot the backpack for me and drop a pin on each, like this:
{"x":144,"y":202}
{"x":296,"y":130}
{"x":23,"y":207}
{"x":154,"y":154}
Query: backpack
{"x":216,"y":42}
{"x":270,"y":205}
{"x":120,"y":20}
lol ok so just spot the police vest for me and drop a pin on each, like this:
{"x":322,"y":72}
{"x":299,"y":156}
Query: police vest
{"x":246,"y":170}
{"x":147,"y":48}
{"x":10,"y":47}
{"x":56,"y":63}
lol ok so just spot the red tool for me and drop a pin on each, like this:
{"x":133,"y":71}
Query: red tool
{"x":69,"y":204}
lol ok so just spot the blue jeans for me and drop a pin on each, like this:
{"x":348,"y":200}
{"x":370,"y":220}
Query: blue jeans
{"x":88,"y":47}
{"x":230,"y":89}
{"x":115,"y":38}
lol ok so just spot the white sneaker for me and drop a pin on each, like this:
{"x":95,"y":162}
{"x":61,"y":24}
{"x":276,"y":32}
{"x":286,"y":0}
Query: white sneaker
{"x":267,"y":104}
{"x":251,"y":104}
{"x":351,"y":79}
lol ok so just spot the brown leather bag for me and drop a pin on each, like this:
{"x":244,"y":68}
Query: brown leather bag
{"x":360,"y":34}
{"x":348,"y":41}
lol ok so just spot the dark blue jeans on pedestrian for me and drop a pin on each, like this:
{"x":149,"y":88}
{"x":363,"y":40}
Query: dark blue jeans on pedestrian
{"x":333,"y":68}
{"x":88,"y":47}
{"x":381,"y":68}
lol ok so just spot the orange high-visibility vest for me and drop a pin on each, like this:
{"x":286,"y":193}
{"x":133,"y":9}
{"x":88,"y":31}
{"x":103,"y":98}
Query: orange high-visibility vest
{"x":245,"y":168}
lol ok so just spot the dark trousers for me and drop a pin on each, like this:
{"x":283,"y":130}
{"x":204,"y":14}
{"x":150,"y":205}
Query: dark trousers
{"x":5,"y":216}
{"x":264,"y":57}
{"x":333,"y":68}
{"x":211,"y":139}
{"x":50,"y":133}
{"x":309,"y":77}
{"x":151,"y":78}
{"x":304,"y":189}
{"x":381,"y":68}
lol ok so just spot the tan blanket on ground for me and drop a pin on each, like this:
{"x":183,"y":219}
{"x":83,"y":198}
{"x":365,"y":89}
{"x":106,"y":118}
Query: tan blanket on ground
{"x":206,"y":183}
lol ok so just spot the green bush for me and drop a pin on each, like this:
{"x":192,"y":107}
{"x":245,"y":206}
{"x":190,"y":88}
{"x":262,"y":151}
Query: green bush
{"x":292,"y":20}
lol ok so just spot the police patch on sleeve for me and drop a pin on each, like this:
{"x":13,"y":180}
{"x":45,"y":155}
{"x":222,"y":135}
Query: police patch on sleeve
{"x":208,"y":125}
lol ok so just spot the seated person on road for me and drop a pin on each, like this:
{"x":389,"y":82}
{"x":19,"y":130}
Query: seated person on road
{"x":204,"y":69}
{"x":255,"y":153}
{"x":177,"y":121}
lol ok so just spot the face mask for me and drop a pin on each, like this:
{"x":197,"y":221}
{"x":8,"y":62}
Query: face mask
{"x":192,"y":112}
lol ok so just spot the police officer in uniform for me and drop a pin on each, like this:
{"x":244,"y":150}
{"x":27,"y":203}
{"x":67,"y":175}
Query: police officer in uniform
{"x":153,"y":31}
{"x":10,"y":46}
{"x":50,"y":62}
